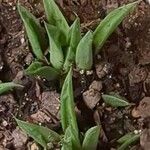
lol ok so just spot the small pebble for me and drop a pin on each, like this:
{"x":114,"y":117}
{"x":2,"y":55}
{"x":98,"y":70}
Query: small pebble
{"x":22,"y":40}
{"x":89,"y":72}
{"x":136,"y":132}
{"x":81,"y":71}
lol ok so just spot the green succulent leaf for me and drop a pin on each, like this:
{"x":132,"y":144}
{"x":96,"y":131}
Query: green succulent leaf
{"x":67,"y":141}
{"x":71,"y":141}
{"x":5,"y":87}
{"x":84,"y":54}
{"x":56,"y":55}
{"x":68,"y":117}
{"x":91,"y":138}
{"x":69,"y":59}
{"x":35,"y":32}
{"x":37,"y":69}
{"x":126,"y":137}
{"x":109,"y":24}
{"x":56,"y":18}
{"x":75,"y":36}
{"x":33,"y":67}
{"x":41,"y":135}
{"x":129,"y":142}
{"x":115,"y":100}
{"x":47,"y":72}
{"x":53,"y":32}
{"x":55,"y":50}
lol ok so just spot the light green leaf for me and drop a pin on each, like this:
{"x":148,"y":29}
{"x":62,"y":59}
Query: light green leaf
{"x":75,"y":36}
{"x":55,"y":17}
{"x":71,"y":141}
{"x":37,"y":69}
{"x":47,"y":72}
{"x":53,"y":32}
{"x":68,"y":117}
{"x":91,"y":138}
{"x":69,"y":59}
{"x":109,"y":24}
{"x":115,"y":101}
{"x":125,"y":137}
{"x":5,"y":87}
{"x":67,"y":141}
{"x":56,"y":53}
{"x":33,"y":67}
{"x":41,"y":135}
{"x":35,"y":32}
{"x":84,"y":54}
{"x":75,"y":139}
{"x":129,"y":142}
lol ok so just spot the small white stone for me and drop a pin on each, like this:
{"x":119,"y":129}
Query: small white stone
{"x":44,"y":79}
{"x":1,"y":67}
{"x":14,"y":8}
{"x":136,"y":132}
{"x":103,"y":104}
{"x":5,"y":123}
{"x":110,"y":76}
{"x":89,"y":72}
{"x":10,"y":3}
{"x":27,"y":99}
{"x":22,"y":40}
{"x":118,"y":85}
{"x":140,"y":131}
{"x":81,"y":71}
{"x":57,"y":108}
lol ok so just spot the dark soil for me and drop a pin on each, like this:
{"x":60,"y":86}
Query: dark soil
{"x":123,"y":67}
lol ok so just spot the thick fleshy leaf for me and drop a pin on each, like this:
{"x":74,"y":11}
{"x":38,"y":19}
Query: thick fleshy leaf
{"x":69,"y":59}
{"x":47,"y":72}
{"x":91,"y":138}
{"x":109,"y":24}
{"x":33,"y":67}
{"x":70,"y":141}
{"x":84,"y":54}
{"x":75,"y":36}
{"x":5,"y":87}
{"x":37,"y":69}
{"x":56,"y":55}
{"x":129,"y":142}
{"x":53,"y":32}
{"x":56,"y":18}
{"x":126,"y":137}
{"x":35,"y":32}
{"x":67,"y":141}
{"x":55,"y":50}
{"x":41,"y":135}
{"x":68,"y":117}
{"x":115,"y":100}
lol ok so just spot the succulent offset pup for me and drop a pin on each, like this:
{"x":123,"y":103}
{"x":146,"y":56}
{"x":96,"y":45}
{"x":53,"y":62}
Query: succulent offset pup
{"x":57,"y":48}
{"x":70,"y":140}
{"x":59,"y":45}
